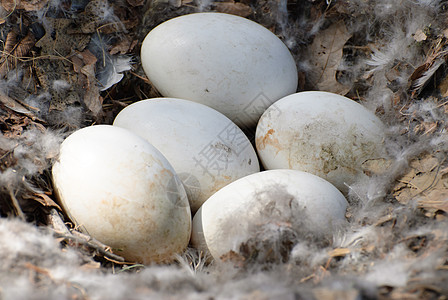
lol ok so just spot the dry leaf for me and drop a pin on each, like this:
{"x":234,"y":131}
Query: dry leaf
{"x":421,"y":76}
{"x":434,"y":60}
{"x":419,"y":35}
{"x":84,"y":63}
{"x":92,"y":98}
{"x":16,"y":106}
{"x":13,"y":51}
{"x":233,"y":8}
{"x":43,"y":199}
{"x":376,"y":166}
{"x":425,"y":181}
{"x":77,"y":63}
{"x":425,"y":164}
{"x":28,"y":5}
{"x":88,"y":57}
{"x":327,"y":55}
{"x":436,"y":200}
{"x":122,"y":47}
{"x":10,"y":43}
{"x":15,"y":123}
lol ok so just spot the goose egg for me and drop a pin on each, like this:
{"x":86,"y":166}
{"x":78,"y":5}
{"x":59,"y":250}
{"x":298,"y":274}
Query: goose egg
{"x":321,"y":133}
{"x":120,"y":190}
{"x":207,"y":150}
{"x":229,"y":63}
{"x":233,"y":214}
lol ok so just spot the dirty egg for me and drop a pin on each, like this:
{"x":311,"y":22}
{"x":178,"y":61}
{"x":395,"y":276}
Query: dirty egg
{"x":321,"y":133}
{"x":229,"y":63}
{"x":233,"y":214}
{"x":120,"y":190}
{"x":207,"y":150}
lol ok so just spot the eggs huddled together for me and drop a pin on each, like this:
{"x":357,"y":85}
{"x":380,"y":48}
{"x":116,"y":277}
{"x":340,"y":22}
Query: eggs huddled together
{"x":135,"y":185}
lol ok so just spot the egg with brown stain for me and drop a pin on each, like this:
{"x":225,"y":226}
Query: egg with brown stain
{"x":119,"y":189}
{"x":321,"y":133}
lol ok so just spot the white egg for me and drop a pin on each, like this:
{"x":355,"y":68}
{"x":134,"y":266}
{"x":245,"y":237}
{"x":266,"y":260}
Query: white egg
{"x":229,"y":63}
{"x":119,"y":189}
{"x":207,"y":150}
{"x":321,"y":133}
{"x":232,"y":215}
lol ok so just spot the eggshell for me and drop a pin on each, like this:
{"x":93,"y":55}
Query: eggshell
{"x":228,"y":217}
{"x":321,"y":133}
{"x":120,"y":190}
{"x":229,"y":63}
{"x":207,"y":150}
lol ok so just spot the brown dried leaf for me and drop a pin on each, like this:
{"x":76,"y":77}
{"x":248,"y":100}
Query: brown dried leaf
{"x":15,"y":106}
{"x":414,"y":186}
{"x":376,"y":166}
{"x":426,"y":163}
{"x":122,"y":47}
{"x":77,"y":63}
{"x":327,"y":49}
{"x":15,"y":124}
{"x":14,"y":51}
{"x":434,"y":60}
{"x":92,"y":98}
{"x":405,"y":195}
{"x":421,"y":76}
{"x":426,"y":181}
{"x":10,"y":43}
{"x":25,"y":45}
{"x":436,"y":200}
{"x":88,"y":58}
{"x":233,"y":8}
{"x":43,"y":199}
{"x":28,"y":5}
{"x":419,"y":35}
{"x":418,"y":72}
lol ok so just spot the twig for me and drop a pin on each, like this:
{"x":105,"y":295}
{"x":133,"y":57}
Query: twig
{"x":141,"y":77}
{"x":92,"y":243}
{"x":63,"y":232}
{"x":16,"y":204}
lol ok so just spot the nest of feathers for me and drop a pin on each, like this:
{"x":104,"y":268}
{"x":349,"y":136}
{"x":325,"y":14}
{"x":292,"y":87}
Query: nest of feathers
{"x":65,"y":65}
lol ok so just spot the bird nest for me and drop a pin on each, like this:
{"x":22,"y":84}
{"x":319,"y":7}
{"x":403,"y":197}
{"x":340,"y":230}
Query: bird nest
{"x":65,"y":65}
